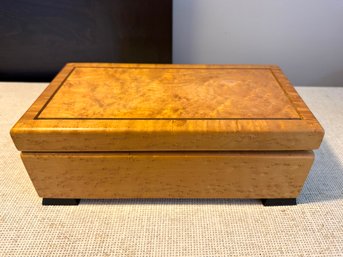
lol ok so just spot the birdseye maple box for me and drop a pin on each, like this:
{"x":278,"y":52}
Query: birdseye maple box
{"x":168,"y":131}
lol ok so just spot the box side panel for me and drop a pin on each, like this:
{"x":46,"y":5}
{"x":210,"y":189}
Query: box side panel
{"x":168,"y":175}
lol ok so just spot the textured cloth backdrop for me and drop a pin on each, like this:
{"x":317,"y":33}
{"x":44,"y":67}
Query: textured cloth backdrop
{"x":174,"y":227}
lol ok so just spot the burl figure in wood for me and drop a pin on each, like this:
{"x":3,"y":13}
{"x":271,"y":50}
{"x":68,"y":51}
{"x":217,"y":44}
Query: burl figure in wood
{"x":168,"y":131}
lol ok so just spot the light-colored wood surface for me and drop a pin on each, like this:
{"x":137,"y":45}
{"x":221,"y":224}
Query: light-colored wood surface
{"x":168,"y":175}
{"x":170,"y":93}
{"x":141,"y":107}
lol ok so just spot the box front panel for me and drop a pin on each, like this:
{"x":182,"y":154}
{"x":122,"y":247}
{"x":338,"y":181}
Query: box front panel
{"x":168,"y":175}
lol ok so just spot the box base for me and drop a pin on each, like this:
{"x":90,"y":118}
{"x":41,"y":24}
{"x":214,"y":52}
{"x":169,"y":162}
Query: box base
{"x":61,"y":201}
{"x":279,"y":201}
{"x":266,"y":202}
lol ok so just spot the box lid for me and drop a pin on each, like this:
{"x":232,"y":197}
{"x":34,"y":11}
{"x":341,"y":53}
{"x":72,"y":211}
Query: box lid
{"x":148,"y":107}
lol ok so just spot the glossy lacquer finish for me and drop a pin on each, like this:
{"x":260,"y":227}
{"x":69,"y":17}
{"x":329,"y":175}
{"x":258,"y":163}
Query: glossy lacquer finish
{"x":141,"y":107}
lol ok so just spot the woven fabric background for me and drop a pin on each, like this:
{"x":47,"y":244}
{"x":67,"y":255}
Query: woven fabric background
{"x":174,"y":227}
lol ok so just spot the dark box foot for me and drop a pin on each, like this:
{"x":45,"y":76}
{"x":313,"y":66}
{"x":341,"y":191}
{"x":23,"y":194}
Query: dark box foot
{"x":60,"y":201}
{"x":279,"y":201}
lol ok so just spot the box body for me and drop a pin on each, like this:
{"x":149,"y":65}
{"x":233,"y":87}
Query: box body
{"x":168,"y":174}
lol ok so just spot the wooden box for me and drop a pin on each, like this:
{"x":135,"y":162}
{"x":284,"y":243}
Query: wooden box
{"x":168,"y":131}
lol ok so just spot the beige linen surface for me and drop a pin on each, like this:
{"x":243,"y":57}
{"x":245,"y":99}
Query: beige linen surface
{"x":174,"y":227}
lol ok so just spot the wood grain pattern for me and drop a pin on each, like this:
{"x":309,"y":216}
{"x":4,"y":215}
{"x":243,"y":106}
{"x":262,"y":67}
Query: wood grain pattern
{"x":167,"y":93}
{"x":279,"y":120}
{"x":168,"y":175}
